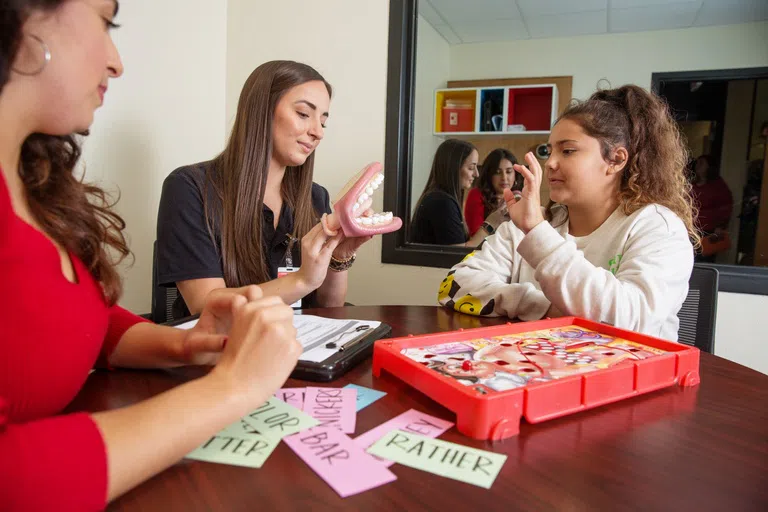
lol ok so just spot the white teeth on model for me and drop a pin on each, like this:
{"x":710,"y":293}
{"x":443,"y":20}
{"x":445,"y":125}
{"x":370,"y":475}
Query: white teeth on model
{"x":375,"y":219}
{"x":369,"y":190}
{"x":363,"y":198}
{"x":373,"y":186}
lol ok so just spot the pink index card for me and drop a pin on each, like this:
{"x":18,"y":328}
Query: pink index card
{"x":292,"y":396}
{"x":332,"y":407}
{"x":410,"y":421}
{"x":339,"y":461}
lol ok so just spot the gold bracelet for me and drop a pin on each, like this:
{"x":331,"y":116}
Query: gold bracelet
{"x":341,"y":265}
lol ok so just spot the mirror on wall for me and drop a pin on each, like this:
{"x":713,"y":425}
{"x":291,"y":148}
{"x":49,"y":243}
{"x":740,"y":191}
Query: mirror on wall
{"x":474,"y":86}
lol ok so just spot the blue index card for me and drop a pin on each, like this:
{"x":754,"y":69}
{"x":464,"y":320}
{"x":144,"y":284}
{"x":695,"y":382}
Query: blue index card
{"x":365,"y":396}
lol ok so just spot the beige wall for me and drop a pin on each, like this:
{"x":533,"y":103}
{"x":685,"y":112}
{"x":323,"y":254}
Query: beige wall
{"x":733,"y":162}
{"x":432,"y":61}
{"x":620,"y":58}
{"x":167,"y":110}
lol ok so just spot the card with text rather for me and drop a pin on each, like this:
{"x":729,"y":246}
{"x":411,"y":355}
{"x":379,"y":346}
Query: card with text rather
{"x":451,"y":460}
{"x":410,"y":421}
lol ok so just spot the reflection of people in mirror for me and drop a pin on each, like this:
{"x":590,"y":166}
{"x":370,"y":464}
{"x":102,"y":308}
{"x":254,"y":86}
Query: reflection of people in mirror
{"x":496,"y":174}
{"x":614,"y":244}
{"x":438,"y":218}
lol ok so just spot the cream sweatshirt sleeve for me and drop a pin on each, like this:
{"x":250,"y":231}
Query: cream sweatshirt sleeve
{"x":486,"y":282}
{"x":647,"y":290}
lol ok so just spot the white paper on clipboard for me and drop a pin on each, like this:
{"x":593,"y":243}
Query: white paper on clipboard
{"x":314,"y":332}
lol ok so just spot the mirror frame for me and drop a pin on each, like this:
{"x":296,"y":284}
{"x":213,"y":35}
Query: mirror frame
{"x":401,"y":75}
{"x":398,"y":152}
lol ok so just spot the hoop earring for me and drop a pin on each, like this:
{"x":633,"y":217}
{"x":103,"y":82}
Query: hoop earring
{"x":46,"y":58}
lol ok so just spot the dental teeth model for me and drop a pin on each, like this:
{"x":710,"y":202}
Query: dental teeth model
{"x":351,"y":211}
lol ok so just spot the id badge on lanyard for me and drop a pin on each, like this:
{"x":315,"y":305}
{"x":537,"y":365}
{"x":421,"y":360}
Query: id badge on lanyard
{"x":289,"y":268}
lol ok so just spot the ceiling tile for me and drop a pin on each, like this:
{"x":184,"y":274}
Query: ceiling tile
{"x":460,"y":11}
{"x":429,"y":13}
{"x":625,"y":4}
{"x":655,"y":17}
{"x":567,"y":25}
{"x":549,"y":7}
{"x":448,"y":34}
{"x":726,"y":12}
{"x":491,"y":31}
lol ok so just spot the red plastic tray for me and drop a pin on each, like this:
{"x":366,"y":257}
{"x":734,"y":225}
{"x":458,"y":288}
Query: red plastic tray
{"x":483,"y":413}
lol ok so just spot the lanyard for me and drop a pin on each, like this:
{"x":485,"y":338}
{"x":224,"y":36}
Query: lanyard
{"x":288,"y":253}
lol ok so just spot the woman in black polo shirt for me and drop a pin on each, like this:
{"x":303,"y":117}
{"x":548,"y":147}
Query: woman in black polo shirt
{"x":438,"y":217}
{"x":236,"y":219}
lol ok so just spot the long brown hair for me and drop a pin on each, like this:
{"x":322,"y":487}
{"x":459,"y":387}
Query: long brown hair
{"x":75,"y":214}
{"x":656,"y":168}
{"x":239,"y":174}
{"x":446,"y":170}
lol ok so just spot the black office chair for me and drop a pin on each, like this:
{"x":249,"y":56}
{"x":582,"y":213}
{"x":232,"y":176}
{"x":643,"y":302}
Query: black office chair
{"x":697,"y":316}
{"x":163,"y":297}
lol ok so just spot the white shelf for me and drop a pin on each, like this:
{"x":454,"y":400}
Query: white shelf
{"x":475,"y":95}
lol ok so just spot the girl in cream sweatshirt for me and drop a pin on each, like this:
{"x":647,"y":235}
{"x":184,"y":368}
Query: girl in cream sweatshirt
{"x":615,"y":243}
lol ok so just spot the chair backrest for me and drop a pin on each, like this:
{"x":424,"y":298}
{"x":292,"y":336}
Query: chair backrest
{"x":163,"y":297}
{"x":697,"y":316}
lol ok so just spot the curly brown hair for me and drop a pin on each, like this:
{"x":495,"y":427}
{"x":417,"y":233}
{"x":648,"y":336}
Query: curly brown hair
{"x":639,"y":121}
{"x":75,"y":214}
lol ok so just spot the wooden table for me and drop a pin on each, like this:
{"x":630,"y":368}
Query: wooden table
{"x":696,"y":449}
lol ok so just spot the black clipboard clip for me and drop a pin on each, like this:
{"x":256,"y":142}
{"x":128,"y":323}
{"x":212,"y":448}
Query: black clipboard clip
{"x":353,"y":341}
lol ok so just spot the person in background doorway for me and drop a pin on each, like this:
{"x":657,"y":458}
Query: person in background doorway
{"x":714,"y":201}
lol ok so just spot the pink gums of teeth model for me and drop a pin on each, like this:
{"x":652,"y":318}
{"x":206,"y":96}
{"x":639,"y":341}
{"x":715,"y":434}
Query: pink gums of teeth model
{"x":351,"y":211}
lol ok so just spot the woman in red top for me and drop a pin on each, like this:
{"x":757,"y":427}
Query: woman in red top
{"x":60,"y":287}
{"x":496,"y":174}
{"x":714,"y":201}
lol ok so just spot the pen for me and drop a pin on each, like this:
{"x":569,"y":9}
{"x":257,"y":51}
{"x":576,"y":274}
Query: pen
{"x":351,"y":343}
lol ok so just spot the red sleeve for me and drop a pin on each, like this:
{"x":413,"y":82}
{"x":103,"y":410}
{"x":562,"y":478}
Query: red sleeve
{"x":52,"y":464}
{"x":120,"y":320}
{"x":475,"y":211}
{"x":722,"y":214}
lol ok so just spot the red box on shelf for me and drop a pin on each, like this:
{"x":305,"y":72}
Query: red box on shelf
{"x":458,"y":119}
{"x":531,"y":107}
{"x":492,"y":377}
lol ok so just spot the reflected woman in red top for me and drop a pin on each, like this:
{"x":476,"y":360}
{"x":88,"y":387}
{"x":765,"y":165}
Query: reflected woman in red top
{"x":496,"y":174}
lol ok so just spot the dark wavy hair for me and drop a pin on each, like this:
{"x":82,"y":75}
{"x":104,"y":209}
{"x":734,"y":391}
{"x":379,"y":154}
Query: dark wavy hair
{"x":640,"y":121}
{"x":490,"y":165}
{"x":75,"y":214}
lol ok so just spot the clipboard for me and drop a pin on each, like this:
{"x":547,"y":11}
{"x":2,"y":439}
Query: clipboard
{"x":339,"y":362}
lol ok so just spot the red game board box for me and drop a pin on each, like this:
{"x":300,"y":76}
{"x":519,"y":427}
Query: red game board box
{"x":492,"y":376}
